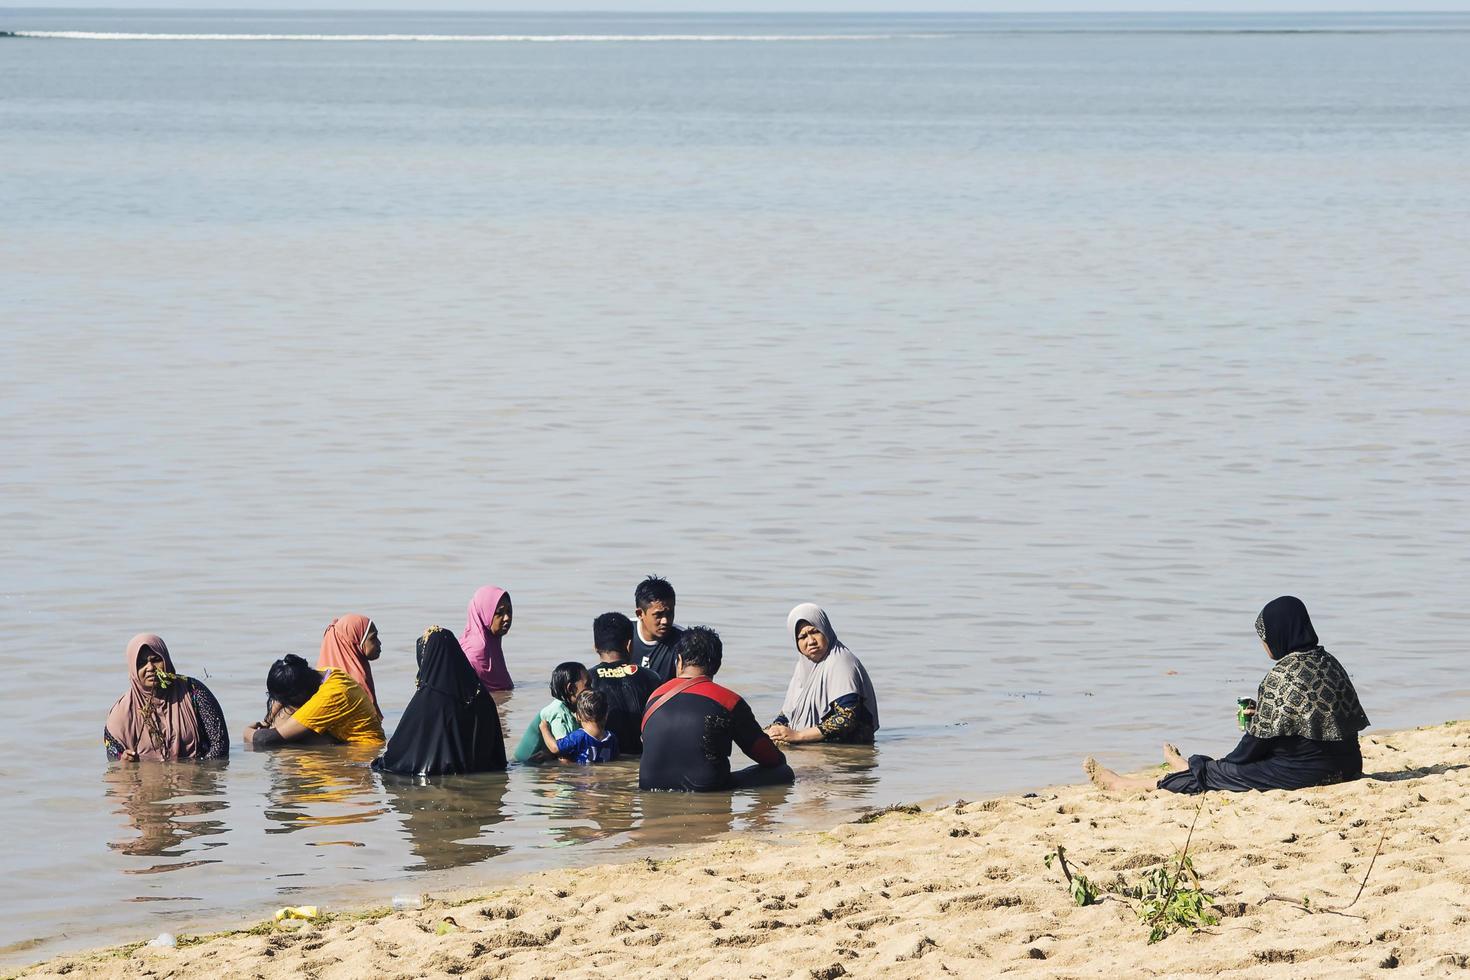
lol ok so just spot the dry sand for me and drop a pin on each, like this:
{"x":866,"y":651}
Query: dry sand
{"x":960,"y":890}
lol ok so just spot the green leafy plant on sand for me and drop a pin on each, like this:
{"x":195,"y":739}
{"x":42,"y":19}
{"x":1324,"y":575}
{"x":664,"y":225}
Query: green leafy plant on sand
{"x":1168,"y":898}
{"x":1171,"y":899}
{"x":1084,"y":892}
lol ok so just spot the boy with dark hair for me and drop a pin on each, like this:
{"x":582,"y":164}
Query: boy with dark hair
{"x":656,"y":635}
{"x":625,"y":684}
{"x":691,"y":723}
{"x":592,"y":742}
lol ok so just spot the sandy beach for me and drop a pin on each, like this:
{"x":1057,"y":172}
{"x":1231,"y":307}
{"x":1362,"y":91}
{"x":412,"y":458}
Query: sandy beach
{"x":961,"y":889}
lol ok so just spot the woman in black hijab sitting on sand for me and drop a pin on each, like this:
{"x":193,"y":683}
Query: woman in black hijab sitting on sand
{"x":451,"y":725}
{"x":1303,"y":732}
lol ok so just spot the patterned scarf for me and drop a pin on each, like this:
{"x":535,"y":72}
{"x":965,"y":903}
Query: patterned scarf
{"x":1309,"y":694}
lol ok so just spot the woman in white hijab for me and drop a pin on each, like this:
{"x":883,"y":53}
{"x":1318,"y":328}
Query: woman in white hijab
{"x":830,"y":698}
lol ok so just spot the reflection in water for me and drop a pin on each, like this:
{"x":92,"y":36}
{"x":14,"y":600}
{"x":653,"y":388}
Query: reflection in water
{"x":502,"y":704}
{"x":834,"y":778}
{"x":692,"y":818}
{"x":445,"y":815}
{"x":161,"y":802}
{"x":600,"y":804}
{"x":583,"y":804}
{"x":321,"y":787}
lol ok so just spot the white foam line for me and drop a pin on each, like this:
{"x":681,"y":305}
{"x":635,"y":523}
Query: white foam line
{"x":468,"y":38}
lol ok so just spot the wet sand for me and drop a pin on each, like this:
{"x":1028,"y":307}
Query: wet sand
{"x":956,"y":889}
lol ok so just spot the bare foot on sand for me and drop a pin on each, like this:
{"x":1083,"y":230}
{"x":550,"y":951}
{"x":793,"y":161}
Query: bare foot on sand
{"x":1173,"y":758}
{"x":1104,"y":778}
{"x":1097,"y":773}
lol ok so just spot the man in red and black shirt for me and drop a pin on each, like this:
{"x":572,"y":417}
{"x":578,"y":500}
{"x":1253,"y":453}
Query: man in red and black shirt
{"x":691,"y":722}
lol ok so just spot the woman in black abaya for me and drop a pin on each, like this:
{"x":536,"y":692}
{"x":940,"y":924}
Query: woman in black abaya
{"x":451,"y":725}
{"x":1304,"y":731}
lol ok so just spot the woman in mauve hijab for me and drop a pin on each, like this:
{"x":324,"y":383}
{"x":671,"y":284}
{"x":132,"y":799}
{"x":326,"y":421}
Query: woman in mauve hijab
{"x":1302,"y":731}
{"x":486,"y":621}
{"x":163,"y":716}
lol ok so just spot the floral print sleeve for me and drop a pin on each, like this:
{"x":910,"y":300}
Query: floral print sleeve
{"x":113,"y":746}
{"x":847,"y":720}
{"x":216,"y":741}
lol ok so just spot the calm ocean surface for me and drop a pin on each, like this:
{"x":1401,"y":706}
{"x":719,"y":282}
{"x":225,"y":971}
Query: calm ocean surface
{"x":1041,"y":351}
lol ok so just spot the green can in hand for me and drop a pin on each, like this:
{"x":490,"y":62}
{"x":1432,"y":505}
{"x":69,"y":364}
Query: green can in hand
{"x":1242,"y":705}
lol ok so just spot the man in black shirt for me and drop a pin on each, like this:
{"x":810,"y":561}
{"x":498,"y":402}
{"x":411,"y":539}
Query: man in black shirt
{"x":656,"y":635}
{"x":626,"y":685}
{"x":691,"y":724}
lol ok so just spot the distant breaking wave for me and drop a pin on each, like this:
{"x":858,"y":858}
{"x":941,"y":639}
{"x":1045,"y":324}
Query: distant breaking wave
{"x":465,"y":38}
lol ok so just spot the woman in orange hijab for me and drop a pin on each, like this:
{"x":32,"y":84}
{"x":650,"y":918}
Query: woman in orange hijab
{"x":350,"y":644}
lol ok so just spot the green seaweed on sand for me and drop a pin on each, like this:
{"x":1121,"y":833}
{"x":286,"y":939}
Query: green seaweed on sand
{"x":874,"y":815}
{"x":270,"y":927}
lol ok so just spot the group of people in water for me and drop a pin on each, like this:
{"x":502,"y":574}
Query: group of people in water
{"x":651,"y":693}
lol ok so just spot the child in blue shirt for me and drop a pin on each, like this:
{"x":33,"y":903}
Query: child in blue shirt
{"x":592,"y":742}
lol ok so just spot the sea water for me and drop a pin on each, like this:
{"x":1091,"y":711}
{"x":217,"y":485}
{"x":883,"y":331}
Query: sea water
{"x":1040,"y":351}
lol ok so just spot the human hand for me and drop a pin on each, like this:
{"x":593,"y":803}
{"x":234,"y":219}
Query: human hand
{"x":781,"y":733}
{"x":128,"y":755}
{"x":251,"y":729}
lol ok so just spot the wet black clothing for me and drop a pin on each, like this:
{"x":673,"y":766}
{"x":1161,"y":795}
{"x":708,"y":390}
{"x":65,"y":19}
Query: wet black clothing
{"x":451,"y":725}
{"x":627,"y":687}
{"x":687,"y":741}
{"x":1286,"y":762}
{"x":657,"y":656}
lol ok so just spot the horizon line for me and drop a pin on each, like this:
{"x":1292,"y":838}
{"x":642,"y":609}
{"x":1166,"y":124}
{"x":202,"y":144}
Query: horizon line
{"x":645,"y":10}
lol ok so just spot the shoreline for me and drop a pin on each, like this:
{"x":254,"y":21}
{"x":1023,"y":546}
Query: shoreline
{"x":960,"y":888}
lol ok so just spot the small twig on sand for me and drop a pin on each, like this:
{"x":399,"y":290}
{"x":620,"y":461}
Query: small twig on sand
{"x":1273,"y":897}
{"x":1190,"y":836}
{"x":1364,"y":884}
{"x":1183,"y":857}
{"x":1062,"y":860}
{"x":1342,"y":909}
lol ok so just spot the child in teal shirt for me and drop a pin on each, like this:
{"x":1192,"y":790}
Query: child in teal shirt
{"x":567,"y":681}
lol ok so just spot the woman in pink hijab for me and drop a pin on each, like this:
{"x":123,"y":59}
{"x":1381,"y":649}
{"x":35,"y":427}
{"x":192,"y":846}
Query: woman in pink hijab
{"x":487,"y":621}
{"x":350,"y":644}
{"x":164,"y":715}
